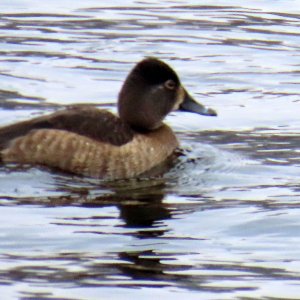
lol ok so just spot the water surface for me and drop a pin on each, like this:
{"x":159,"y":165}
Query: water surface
{"x":225,"y":222}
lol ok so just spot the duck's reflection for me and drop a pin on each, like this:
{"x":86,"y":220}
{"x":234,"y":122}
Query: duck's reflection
{"x":143,"y":260}
{"x":146,"y":217}
{"x":143,"y":265}
{"x":147,"y":214}
{"x":142,"y":211}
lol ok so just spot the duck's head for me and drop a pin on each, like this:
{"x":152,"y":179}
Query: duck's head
{"x":151,"y":91}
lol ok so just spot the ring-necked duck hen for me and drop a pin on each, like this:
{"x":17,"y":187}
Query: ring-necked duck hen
{"x":92,"y":142}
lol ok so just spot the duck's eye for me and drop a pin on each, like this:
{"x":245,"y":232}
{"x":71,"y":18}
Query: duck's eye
{"x":170,"y":84}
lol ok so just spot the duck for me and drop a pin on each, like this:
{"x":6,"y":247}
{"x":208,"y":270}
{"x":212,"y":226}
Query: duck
{"x":88,"y":141}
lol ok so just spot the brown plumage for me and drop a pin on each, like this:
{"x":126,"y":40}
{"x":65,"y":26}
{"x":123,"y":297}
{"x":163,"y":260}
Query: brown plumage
{"x":96,"y":143}
{"x":100,"y":125}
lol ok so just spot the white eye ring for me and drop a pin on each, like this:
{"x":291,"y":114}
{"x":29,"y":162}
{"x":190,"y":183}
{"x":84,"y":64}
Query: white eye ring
{"x":170,"y":84}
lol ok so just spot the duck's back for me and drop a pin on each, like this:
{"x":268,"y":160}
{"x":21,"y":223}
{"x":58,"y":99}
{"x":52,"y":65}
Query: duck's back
{"x":86,"y":141}
{"x":95,"y":123}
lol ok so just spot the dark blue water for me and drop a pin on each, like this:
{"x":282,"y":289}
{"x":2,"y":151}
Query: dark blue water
{"x":225,"y":222}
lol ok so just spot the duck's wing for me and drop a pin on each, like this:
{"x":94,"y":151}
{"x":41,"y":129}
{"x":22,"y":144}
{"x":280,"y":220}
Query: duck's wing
{"x":91,"y":122}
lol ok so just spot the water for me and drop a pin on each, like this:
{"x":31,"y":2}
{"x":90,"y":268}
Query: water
{"x":223,"y":224}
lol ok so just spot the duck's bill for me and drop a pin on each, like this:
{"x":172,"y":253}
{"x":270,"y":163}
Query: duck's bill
{"x":189,"y":104}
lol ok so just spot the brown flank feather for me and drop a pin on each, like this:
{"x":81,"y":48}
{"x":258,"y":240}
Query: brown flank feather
{"x":82,"y":155}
